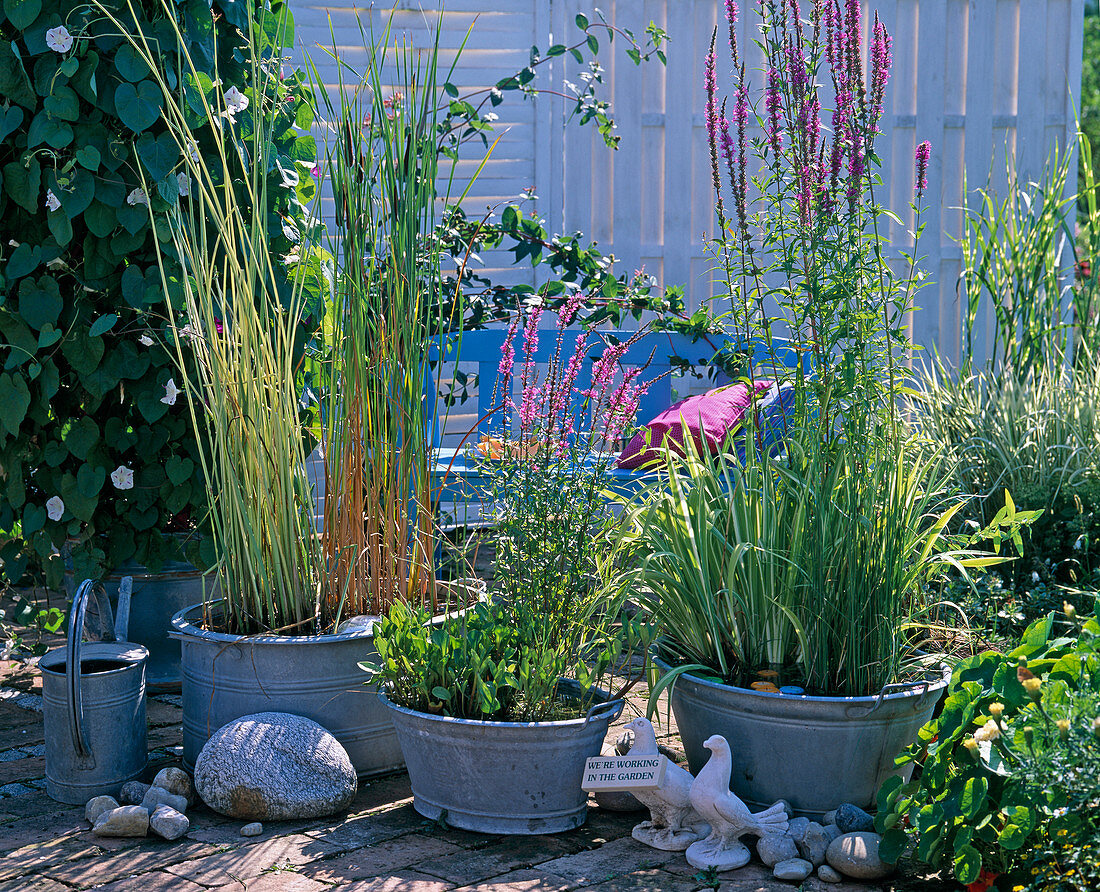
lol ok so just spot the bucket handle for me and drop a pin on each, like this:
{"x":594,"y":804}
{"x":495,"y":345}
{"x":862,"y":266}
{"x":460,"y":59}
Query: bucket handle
{"x":614,"y":708}
{"x":113,"y":631}
{"x":854,"y":712}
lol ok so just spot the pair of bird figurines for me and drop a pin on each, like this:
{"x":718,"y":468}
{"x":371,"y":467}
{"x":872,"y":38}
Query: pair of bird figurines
{"x":700,"y":816}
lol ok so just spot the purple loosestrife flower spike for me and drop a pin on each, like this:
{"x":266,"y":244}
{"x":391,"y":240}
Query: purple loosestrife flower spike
{"x":711,"y":87}
{"x":854,"y":62}
{"x":796,"y":69}
{"x":856,"y":168}
{"x":507,"y":357}
{"x":739,"y":182}
{"x":880,"y":70}
{"x":726,"y":142}
{"x":773,"y":102}
{"x":572,"y":306}
{"x":530,"y":345}
{"x":924,"y":152}
{"x":731,"y":19}
{"x":834,"y":39}
{"x":841,"y":125}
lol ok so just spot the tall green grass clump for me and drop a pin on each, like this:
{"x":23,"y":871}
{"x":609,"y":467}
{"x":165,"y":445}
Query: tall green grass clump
{"x":374,"y":361}
{"x":240,"y":324}
{"x":1036,"y":435}
{"x":814,"y":571}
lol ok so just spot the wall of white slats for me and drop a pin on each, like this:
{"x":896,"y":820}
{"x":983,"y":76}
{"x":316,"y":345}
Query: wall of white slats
{"x":975,"y":77}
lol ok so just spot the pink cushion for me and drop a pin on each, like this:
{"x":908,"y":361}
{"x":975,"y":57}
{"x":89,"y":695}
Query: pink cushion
{"x":710,"y":418}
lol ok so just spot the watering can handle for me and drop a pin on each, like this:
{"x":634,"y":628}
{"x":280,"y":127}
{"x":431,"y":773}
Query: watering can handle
{"x":74,"y":701}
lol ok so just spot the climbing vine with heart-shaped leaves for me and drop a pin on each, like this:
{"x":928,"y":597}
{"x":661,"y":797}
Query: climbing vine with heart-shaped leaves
{"x":98,"y":455}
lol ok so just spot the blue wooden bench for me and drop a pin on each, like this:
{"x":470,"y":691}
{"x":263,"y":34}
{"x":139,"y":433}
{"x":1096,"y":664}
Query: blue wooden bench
{"x":456,"y":477}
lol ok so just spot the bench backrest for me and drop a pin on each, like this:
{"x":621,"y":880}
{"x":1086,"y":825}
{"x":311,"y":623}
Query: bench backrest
{"x":663,"y":351}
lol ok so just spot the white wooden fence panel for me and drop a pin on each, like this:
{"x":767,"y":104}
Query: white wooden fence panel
{"x":976,"y":78}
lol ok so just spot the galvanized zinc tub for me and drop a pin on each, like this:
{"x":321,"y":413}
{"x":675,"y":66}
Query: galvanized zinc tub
{"x":156,"y":599}
{"x":814,"y":752}
{"x":501,"y":777}
{"x":229,"y":676}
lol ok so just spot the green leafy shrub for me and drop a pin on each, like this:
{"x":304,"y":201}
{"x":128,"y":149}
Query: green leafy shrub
{"x":1010,"y":768}
{"x":97,"y":456}
{"x":501,"y":661}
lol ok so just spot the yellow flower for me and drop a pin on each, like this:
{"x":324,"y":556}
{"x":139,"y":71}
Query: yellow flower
{"x":1032,"y":685}
{"x":988,"y":731}
{"x":996,"y":710}
{"x":1069,"y":610}
{"x":1063,"y":729}
{"x":971,"y":747}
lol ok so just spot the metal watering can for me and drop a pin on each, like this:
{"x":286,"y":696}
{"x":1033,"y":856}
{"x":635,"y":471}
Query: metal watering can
{"x":94,"y":703}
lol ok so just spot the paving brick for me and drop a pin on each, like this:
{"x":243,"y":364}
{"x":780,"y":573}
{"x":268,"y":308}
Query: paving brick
{"x":147,"y":855}
{"x":22,"y":770}
{"x":521,"y":881}
{"x":18,"y":727}
{"x":46,"y":820}
{"x":33,"y":859}
{"x":373,"y":828}
{"x":813,"y":884}
{"x":470,"y":866}
{"x":276,"y":881}
{"x":603,"y":825}
{"x":615,"y":859}
{"x":249,"y":861}
{"x":380,"y":859}
{"x":152,"y":882}
{"x":380,"y":794}
{"x":653,"y":880}
{"x":158,"y":713}
{"x":403,"y":881}
{"x":33,"y":884}
{"x":206,"y":826}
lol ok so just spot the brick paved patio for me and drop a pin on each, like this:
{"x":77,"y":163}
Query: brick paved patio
{"x":380,"y":845}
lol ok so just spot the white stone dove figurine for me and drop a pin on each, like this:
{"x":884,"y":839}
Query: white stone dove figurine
{"x":673,"y":824}
{"x":728,"y":816}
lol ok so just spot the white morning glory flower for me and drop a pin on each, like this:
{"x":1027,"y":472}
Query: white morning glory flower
{"x":145,"y":341}
{"x":184,"y":183}
{"x":137,"y":197}
{"x":55,"y":508}
{"x":52,"y":201}
{"x":235,"y":101}
{"x":59,"y":39}
{"x":1034,"y":577}
{"x":170,"y":393}
{"x":122,"y":477}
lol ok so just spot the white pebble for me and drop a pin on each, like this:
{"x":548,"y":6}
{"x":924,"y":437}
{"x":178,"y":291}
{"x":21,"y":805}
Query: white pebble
{"x":253,"y":829}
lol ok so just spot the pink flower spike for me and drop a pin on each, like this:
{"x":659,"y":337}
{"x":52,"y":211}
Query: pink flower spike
{"x":773,"y":102}
{"x":923,"y":154}
{"x":508,"y":353}
{"x":572,"y":306}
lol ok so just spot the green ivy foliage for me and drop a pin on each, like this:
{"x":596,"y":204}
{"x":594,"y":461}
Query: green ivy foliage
{"x":87,"y":374}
